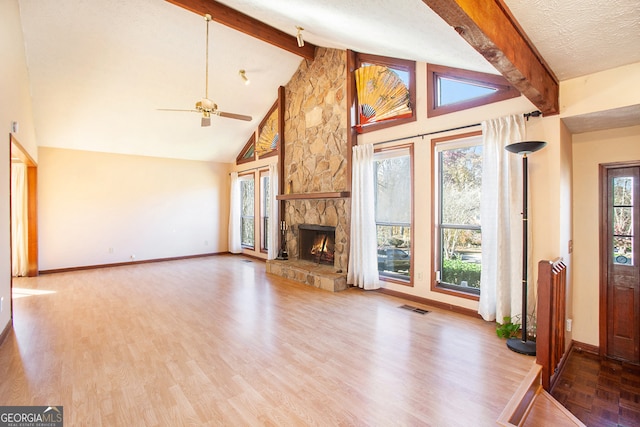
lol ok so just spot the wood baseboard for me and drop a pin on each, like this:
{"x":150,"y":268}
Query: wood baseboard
{"x":120,"y":264}
{"x":594,"y":349}
{"x":432,"y":303}
{"x":5,"y":331}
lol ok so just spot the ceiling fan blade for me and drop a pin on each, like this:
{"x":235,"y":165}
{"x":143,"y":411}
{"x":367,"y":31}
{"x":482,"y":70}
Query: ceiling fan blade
{"x":175,"y":109}
{"x":234,"y":116}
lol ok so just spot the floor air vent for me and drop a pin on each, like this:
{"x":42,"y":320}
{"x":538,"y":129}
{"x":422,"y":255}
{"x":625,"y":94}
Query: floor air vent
{"x":414,"y":309}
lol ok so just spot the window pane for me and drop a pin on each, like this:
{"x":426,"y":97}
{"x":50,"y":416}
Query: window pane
{"x":393,"y":190}
{"x":461,"y":257}
{"x":459,"y":186}
{"x":393,"y":213}
{"x":451,"y":91}
{"x":461,"y":180}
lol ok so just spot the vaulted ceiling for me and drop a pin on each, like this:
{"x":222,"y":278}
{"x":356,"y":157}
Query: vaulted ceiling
{"x":101,"y":71}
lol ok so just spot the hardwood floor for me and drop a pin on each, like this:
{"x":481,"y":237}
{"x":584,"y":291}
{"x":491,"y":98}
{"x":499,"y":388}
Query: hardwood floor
{"x":601,"y":393}
{"x":215,"y":341}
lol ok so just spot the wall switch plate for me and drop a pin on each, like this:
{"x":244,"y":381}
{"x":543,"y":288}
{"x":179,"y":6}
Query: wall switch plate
{"x":569,"y":324}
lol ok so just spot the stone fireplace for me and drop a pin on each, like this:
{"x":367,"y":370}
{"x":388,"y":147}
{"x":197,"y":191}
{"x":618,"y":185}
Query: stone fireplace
{"x":315,"y":173}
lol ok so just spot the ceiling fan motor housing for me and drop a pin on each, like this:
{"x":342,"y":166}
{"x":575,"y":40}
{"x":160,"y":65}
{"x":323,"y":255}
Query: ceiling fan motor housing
{"x":206,"y":105}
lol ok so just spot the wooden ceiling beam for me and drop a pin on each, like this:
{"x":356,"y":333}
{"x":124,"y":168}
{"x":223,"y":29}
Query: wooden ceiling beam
{"x":231,"y":18}
{"x":489,"y":27}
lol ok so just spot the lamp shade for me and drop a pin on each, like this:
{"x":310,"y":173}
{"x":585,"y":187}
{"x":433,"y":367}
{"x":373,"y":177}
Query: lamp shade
{"x":525,"y":147}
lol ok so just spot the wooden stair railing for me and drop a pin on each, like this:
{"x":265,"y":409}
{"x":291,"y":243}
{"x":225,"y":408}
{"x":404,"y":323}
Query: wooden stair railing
{"x":532,"y":405}
{"x":551,"y":318}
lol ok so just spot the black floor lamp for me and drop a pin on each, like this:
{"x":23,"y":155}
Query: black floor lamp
{"x":527,"y":147}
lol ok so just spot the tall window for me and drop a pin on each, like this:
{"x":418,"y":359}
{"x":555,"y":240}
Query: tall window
{"x":394,"y":211}
{"x":265,"y":201}
{"x":458,"y":178}
{"x":247,"y":211}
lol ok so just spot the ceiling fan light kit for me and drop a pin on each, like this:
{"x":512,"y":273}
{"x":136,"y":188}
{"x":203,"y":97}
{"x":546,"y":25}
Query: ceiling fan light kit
{"x":243,"y":76}
{"x":205,"y":106}
{"x":299,"y":36}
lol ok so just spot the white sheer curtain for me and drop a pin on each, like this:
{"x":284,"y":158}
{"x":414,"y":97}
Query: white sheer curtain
{"x":363,"y":264}
{"x":19,"y":229}
{"x":274,"y":219}
{"x":235,"y":238}
{"x":501,"y":213}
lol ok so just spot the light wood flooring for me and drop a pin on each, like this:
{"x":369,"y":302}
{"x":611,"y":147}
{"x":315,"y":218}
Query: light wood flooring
{"x":215,"y":341}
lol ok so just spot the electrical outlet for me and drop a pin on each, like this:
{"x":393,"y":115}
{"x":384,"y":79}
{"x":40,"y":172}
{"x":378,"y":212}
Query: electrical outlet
{"x":133,"y":257}
{"x":569,"y":324}
{"x":419,"y":276}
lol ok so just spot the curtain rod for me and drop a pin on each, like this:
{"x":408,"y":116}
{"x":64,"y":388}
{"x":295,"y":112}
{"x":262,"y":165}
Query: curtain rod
{"x":535,"y":113}
{"x":251,"y":169}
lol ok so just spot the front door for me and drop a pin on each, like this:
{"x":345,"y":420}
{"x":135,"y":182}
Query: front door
{"x":621,"y":287}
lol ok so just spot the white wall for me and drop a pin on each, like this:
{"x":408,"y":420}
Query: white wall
{"x":606,"y":90}
{"x":98,"y":208}
{"x":15,"y":105}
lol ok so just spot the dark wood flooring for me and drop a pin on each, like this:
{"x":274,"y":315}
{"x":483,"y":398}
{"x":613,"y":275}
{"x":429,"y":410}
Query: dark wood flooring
{"x":600,"y":392}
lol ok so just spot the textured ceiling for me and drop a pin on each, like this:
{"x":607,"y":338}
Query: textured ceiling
{"x":580,"y":37}
{"x":100,"y":71}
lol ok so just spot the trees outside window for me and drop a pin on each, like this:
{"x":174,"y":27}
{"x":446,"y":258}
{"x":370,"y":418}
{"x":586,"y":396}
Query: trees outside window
{"x":394,"y":212}
{"x":458,"y":179}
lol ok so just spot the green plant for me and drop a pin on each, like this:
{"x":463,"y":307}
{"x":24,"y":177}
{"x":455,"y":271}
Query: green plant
{"x":508,"y":329}
{"x":457,"y":271}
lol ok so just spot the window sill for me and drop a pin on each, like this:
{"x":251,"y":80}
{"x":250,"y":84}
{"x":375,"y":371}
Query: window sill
{"x":435,"y":287}
{"x":390,"y":279}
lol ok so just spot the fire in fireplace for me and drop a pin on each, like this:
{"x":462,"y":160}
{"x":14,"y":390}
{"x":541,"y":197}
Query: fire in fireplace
{"x":317,"y":243}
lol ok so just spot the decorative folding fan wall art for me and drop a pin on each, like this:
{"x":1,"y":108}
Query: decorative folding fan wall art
{"x":382,"y":95}
{"x":269,"y":135}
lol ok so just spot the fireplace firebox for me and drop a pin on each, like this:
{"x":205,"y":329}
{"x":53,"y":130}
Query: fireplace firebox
{"x":317,"y":243}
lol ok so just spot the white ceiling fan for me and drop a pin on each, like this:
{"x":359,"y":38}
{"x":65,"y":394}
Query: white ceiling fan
{"x":205,"y":106}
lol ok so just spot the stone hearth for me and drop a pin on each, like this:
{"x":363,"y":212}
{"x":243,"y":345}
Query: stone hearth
{"x":309,"y":273}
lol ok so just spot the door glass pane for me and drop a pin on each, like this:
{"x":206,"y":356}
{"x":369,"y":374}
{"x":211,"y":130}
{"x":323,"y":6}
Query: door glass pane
{"x":623,"y":191}
{"x":622,"y":250}
{"x":623,"y":220}
{"x":247,"y":212}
